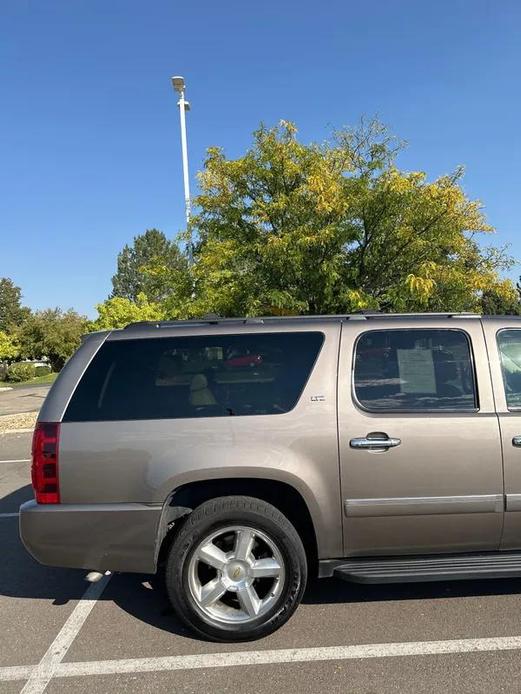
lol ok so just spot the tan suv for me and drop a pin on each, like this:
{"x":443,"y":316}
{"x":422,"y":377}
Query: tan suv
{"x":245,"y":454}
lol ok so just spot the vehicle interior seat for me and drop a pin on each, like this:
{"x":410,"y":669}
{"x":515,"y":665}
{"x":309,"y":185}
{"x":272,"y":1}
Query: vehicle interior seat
{"x":200,"y":393}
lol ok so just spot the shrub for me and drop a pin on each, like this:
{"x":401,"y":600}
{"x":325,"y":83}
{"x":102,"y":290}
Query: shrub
{"x":20,"y":371}
{"x":42,"y":370}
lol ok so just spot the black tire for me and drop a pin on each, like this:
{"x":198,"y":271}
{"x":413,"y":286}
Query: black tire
{"x":209,"y":518}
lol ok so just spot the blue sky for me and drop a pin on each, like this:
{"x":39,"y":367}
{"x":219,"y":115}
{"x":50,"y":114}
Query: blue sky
{"x":89,"y":138}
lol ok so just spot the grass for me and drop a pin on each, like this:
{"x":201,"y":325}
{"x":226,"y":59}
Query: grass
{"x":39,"y":380}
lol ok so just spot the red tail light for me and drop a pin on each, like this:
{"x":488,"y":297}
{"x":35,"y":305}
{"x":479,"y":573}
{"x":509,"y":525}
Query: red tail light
{"x":44,"y":469}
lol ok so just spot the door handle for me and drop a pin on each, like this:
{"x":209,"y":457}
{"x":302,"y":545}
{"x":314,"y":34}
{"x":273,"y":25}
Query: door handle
{"x":376,"y":443}
{"x":516,"y":441}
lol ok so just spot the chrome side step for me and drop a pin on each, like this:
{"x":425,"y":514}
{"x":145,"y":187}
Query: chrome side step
{"x":429,"y":568}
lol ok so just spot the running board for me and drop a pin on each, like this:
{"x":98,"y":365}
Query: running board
{"x":409,"y":569}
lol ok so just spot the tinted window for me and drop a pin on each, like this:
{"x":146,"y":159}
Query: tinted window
{"x":210,"y":376}
{"x":509,"y":344}
{"x":414,"y":370}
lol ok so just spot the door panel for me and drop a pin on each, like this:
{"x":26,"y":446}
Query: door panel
{"x":509,"y":419}
{"x":440,"y":489}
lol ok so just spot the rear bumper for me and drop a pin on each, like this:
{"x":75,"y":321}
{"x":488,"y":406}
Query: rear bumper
{"x":100,"y":537}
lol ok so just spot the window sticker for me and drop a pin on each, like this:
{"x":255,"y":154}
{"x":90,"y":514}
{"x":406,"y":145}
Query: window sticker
{"x":416,"y":368}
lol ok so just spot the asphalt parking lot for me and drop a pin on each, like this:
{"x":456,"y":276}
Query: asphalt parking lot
{"x":22,"y":399}
{"x":59,"y":635}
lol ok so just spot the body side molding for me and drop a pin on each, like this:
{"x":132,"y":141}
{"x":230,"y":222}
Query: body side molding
{"x":427,"y":505}
{"x":513,"y":502}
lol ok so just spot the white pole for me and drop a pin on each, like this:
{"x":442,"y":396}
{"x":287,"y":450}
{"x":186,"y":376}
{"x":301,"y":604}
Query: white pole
{"x":183,"y":107}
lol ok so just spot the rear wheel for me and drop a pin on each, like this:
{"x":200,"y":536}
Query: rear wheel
{"x":236,"y":570}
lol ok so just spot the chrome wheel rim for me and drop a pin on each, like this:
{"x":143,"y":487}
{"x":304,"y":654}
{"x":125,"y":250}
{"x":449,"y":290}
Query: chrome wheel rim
{"x":236,"y":575}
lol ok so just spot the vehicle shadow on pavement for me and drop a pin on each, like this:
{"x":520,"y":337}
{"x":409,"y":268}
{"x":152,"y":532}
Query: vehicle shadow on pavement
{"x":12,"y":502}
{"x":335,"y":591}
{"x":144,"y":596}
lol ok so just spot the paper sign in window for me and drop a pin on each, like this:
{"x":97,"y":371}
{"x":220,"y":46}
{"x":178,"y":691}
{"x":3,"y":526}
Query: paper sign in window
{"x":416,"y":370}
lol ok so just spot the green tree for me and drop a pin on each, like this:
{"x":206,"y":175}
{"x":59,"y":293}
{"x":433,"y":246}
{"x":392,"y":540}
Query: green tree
{"x":12,"y":313}
{"x":9,"y":347}
{"x":52,"y":333}
{"x":497,"y":304}
{"x":119,"y":312}
{"x":139,"y":265}
{"x":336,"y":227}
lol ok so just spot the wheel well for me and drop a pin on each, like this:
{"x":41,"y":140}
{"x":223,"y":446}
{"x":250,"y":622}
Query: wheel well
{"x":281,"y":495}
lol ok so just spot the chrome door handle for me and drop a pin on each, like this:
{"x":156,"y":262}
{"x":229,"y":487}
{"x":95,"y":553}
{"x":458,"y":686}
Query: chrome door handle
{"x":375,"y":444}
{"x":516,"y":441}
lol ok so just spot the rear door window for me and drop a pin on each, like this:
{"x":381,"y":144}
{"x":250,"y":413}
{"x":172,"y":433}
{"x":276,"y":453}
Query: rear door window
{"x":414,"y":371}
{"x":207,"y":376}
{"x":509,"y":345}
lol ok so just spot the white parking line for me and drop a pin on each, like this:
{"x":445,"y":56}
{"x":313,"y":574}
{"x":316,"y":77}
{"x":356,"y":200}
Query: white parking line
{"x":9,"y":515}
{"x":42,"y":674}
{"x":19,"y":460}
{"x":25,"y":430}
{"x":40,"y":679}
{"x":15,"y":672}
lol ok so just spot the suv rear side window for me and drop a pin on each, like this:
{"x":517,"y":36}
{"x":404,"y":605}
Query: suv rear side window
{"x":414,"y":370}
{"x":509,"y":345}
{"x":207,"y":376}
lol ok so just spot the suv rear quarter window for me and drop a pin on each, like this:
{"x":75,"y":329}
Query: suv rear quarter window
{"x":200,"y":376}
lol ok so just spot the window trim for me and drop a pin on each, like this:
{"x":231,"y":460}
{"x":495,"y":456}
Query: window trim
{"x":363,"y":408}
{"x":515,"y":410}
{"x":312,"y":368}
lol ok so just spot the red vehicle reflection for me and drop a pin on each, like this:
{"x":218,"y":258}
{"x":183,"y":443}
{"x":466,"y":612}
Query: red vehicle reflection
{"x":244,"y":360}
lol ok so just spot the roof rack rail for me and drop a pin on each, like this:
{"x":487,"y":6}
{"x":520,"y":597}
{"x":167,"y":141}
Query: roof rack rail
{"x":206,"y":320}
{"x":379,"y":314}
{"x":213,"y":319}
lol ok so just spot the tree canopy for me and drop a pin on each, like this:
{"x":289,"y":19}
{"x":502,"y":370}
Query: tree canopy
{"x":335,"y":227}
{"x":9,"y":347}
{"x":52,"y":333}
{"x":119,"y":312}
{"x":12,"y":313}
{"x":139,"y":267}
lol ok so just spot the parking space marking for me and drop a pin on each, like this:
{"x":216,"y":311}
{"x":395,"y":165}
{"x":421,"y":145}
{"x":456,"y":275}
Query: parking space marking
{"x":19,"y":460}
{"x":42,"y":674}
{"x":15,"y":672}
{"x":24,"y":430}
{"x":9,"y":515}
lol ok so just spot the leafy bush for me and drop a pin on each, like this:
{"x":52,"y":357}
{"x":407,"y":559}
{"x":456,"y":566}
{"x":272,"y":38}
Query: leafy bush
{"x":42,"y":370}
{"x":20,"y":371}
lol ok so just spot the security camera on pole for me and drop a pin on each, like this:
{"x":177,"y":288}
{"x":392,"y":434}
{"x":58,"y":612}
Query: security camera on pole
{"x":179,"y":85}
